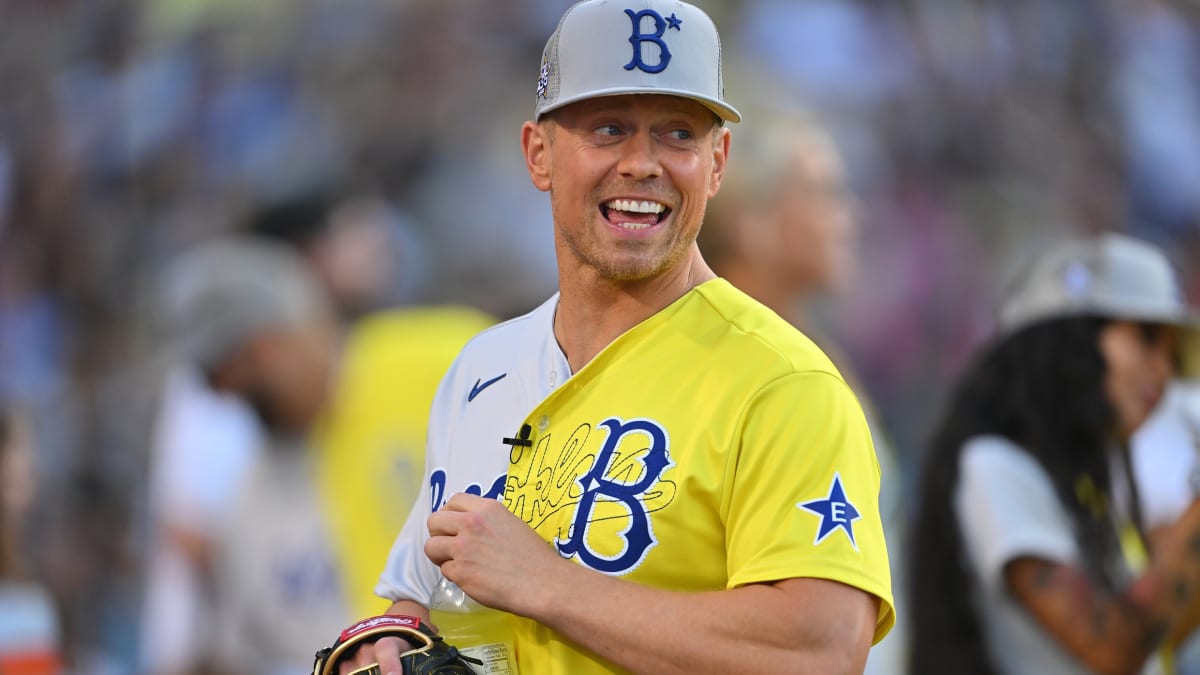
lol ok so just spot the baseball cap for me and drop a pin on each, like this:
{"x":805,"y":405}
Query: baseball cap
{"x":218,"y":294}
{"x":1109,"y":275}
{"x":606,"y":48}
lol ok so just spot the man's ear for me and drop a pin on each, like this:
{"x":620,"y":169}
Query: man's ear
{"x":535,"y":141}
{"x":720,"y":158}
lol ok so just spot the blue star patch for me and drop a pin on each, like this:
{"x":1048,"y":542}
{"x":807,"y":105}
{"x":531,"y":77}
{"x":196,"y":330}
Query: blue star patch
{"x":836,"y":512}
{"x":674,"y":22}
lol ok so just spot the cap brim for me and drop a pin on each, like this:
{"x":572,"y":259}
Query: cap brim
{"x":719,"y":108}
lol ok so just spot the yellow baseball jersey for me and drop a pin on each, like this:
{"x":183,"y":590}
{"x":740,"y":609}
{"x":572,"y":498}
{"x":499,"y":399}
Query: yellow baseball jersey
{"x":371,"y":442}
{"x":709,"y":447}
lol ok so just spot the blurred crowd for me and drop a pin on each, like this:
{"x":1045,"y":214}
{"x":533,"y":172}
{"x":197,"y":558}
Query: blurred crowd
{"x":972,"y":133}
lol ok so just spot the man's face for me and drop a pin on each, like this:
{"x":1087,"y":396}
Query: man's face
{"x":815,"y":228}
{"x":284,"y":373}
{"x":629,"y":178}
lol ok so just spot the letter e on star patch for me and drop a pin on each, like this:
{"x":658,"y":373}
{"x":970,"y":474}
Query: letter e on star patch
{"x":836,"y":513}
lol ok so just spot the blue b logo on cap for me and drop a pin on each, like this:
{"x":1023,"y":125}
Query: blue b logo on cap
{"x":638,"y":37}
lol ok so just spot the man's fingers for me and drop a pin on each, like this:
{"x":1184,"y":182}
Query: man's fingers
{"x":443,"y":524}
{"x":462,"y":501}
{"x":463,"y":516}
{"x":437,"y":549}
{"x":363,"y":656}
{"x":457,"y":515}
{"x":387,"y":652}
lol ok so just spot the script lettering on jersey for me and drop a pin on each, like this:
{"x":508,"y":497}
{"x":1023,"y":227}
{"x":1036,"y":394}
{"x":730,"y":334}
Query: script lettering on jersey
{"x":638,"y":37}
{"x":438,"y":495}
{"x":596,"y":491}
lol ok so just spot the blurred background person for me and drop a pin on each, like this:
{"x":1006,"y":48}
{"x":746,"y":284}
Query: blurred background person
{"x":371,"y":434}
{"x":254,"y":320}
{"x":30,"y":636}
{"x":364,"y":256}
{"x":1029,"y":551}
{"x":204,"y":442}
{"x":342,"y":408}
{"x":363,"y":249}
{"x":784,"y":230}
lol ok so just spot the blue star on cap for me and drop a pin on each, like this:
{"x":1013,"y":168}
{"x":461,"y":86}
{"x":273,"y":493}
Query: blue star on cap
{"x":674,"y":22}
{"x":836,"y":512}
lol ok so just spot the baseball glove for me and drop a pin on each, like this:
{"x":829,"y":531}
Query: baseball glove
{"x":430,"y":654}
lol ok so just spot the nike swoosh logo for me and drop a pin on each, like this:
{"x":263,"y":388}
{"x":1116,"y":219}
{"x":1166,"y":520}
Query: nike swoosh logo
{"x":480,"y":385}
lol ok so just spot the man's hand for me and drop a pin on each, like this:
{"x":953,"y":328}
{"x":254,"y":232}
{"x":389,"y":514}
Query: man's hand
{"x":494,"y":556}
{"x":392,"y":644}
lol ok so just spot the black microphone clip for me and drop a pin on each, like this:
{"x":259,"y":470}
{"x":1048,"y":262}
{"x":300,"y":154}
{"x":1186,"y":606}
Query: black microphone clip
{"x":523,"y":440}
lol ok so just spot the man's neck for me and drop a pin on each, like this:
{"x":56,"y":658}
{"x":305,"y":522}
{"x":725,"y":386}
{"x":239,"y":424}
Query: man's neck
{"x":593,"y":312}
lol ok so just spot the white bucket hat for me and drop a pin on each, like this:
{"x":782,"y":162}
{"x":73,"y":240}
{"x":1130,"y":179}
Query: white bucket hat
{"x":606,"y":48}
{"x":1110,"y":275}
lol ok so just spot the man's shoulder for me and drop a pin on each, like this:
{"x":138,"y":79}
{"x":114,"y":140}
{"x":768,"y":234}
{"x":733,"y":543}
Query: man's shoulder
{"x":509,"y":351}
{"x":754,"y":333}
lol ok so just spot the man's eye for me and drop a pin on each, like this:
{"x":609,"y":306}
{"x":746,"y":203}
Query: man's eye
{"x":681,"y":134}
{"x":608,"y":130}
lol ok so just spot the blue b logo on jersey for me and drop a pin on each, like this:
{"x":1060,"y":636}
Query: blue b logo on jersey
{"x":437,"y":489}
{"x":637,"y":38}
{"x":603,"y":486}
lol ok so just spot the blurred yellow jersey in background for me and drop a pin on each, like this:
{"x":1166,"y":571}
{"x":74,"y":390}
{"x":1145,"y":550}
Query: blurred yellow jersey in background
{"x":371,"y":443}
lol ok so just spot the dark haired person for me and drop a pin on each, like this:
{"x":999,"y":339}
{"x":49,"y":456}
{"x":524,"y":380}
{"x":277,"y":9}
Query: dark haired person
{"x":1027,"y":531}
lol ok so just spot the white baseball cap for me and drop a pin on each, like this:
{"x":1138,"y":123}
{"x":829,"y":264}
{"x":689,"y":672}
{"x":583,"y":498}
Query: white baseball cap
{"x":218,"y":294}
{"x":1110,"y":275}
{"x":606,"y":48}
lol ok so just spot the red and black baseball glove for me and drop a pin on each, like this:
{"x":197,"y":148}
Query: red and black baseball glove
{"x":430,"y":655}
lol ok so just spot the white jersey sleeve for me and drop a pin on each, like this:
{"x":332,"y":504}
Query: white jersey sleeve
{"x":500,"y":376}
{"x":1007,"y":508}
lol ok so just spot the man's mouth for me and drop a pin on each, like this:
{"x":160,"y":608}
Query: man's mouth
{"x":634,"y":214}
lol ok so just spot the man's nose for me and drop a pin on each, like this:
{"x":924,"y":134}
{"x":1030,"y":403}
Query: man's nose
{"x":639,"y":157}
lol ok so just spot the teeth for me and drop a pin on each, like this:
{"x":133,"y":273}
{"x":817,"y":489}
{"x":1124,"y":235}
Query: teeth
{"x":634,"y":206}
{"x":633,"y":226}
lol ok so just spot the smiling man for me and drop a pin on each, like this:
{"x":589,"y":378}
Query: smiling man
{"x":651,"y":472}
